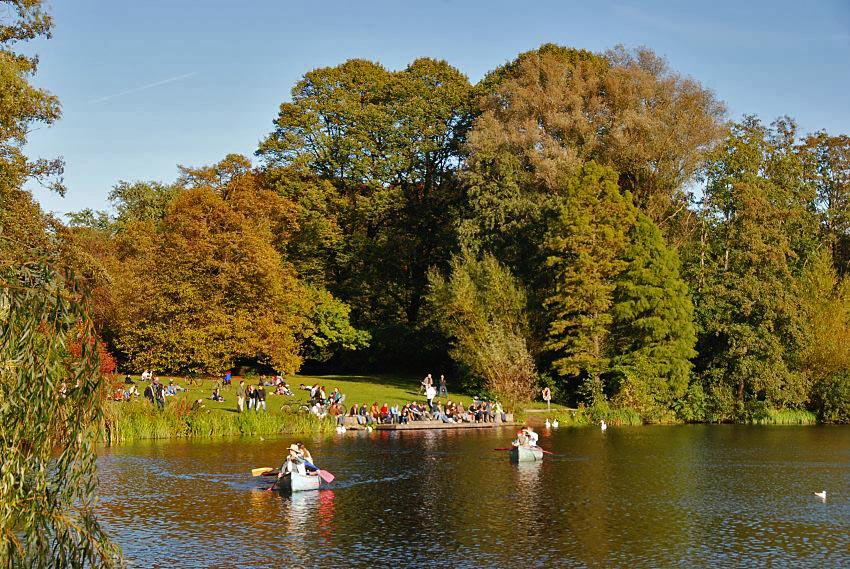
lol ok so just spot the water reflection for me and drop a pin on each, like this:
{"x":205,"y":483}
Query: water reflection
{"x":666,"y":496}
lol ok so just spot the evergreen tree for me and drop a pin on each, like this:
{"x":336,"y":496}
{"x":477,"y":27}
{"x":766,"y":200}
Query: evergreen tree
{"x":653,"y":319}
{"x":586,"y":240}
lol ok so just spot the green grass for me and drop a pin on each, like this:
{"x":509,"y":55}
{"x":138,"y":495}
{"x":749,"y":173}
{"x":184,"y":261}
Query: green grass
{"x":788,"y":417}
{"x":135,"y":420}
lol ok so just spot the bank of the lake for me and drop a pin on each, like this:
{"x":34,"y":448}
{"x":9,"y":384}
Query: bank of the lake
{"x":139,"y":420}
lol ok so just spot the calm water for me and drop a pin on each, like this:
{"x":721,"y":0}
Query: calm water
{"x":637,"y":497}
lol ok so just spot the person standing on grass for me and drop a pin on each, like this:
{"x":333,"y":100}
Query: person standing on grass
{"x":261,"y":397}
{"x":251,"y":396}
{"x":444,"y":392}
{"x":240,"y":396}
{"x":158,"y":394}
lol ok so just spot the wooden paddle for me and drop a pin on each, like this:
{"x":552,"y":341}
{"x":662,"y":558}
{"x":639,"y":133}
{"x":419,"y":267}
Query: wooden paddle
{"x":260,"y":471}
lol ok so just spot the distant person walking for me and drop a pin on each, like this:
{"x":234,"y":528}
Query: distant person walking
{"x":444,"y":392}
{"x":240,"y":396}
{"x":228,"y":376}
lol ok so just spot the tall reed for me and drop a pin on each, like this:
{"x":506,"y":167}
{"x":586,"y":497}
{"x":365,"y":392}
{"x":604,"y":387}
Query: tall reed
{"x":138,"y":420}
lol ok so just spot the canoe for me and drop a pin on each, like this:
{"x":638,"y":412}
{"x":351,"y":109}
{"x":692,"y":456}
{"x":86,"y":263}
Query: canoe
{"x":526,"y":454}
{"x":295,"y":482}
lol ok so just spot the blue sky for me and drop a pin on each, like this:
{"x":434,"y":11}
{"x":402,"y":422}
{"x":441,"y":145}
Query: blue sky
{"x":149,"y":85}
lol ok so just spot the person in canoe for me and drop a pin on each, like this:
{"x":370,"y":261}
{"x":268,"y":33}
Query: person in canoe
{"x":305,"y":454}
{"x":294,"y":462}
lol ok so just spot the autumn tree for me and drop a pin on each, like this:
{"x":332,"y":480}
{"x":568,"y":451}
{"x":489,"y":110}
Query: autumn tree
{"x":50,"y":393}
{"x":552,"y":109}
{"x":206,"y":286}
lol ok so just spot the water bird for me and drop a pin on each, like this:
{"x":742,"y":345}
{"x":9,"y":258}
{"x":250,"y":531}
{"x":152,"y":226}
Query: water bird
{"x":548,"y":424}
{"x":821,"y":495}
{"x":555,"y":424}
{"x":603,"y":425}
{"x":340,"y":429}
{"x":368,"y":428}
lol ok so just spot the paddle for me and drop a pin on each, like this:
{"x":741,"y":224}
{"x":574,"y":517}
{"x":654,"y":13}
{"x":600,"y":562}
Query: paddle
{"x":538,"y":448}
{"x":260,"y":471}
{"x":273,"y":486}
{"x":323,"y":474}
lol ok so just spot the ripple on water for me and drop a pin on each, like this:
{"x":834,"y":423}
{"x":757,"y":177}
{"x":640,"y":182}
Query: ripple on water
{"x":667,"y":496}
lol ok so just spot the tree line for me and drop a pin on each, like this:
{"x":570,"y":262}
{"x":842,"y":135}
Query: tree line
{"x":591,"y":222}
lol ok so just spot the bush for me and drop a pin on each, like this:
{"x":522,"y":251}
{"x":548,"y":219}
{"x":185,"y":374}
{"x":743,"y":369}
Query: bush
{"x":832,"y":398}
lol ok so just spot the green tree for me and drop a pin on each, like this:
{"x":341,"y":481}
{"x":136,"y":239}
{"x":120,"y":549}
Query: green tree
{"x":587,"y":242}
{"x":760,"y":229}
{"x":653,"y":331}
{"x":369,"y":156}
{"x":825,"y":299}
{"x":481,"y":309}
{"x":50,"y":385}
{"x":828,"y":160}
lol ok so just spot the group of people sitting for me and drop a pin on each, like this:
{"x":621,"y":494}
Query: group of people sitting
{"x":155,"y":391}
{"x":323,"y":403}
{"x":479,"y":411}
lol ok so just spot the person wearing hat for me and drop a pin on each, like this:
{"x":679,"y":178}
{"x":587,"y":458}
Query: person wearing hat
{"x":294,"y":462}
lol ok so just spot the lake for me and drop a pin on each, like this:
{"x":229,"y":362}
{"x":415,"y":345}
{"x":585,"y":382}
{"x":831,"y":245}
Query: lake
{"x":689,"y":496}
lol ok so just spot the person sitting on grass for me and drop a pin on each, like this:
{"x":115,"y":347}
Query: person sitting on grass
{"x":216,"y":396}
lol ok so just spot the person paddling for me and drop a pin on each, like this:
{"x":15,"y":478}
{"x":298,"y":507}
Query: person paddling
{"x":293,"y":463}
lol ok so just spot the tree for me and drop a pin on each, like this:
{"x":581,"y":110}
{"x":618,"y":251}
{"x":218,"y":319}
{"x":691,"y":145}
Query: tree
{"x":481,"y":309}
{"x":653,"y":332}
{"x":828,"y":161}
{"x":586,"y":242}
{"x":761,"y":230}
{"x":369,"y":156}
{"x":825,"y":299}
{"x":207,"y":286}
{"x":552,"y":109}
{"x":51,"y":416}
{"x":23,"y":227}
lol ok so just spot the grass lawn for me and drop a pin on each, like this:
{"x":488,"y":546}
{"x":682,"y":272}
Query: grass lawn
{"x":358,"y":389}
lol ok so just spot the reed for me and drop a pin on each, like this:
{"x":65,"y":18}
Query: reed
{"x":787,"y":417}
{"x":137,"y":420}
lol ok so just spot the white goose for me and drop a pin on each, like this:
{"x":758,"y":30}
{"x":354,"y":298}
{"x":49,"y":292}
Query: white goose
{"x":368,"y":428}
{"x":548,"y":424}
{"x":555,"y":424}
{"x":821,"y":495}
{"x":603,"y":425}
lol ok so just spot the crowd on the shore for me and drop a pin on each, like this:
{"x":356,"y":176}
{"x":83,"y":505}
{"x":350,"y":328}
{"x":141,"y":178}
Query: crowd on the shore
{"x":323,"y":402}
{"x":478,"y":411}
